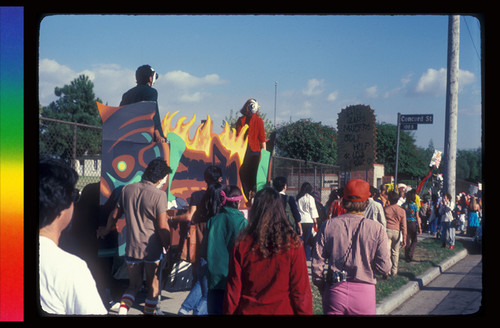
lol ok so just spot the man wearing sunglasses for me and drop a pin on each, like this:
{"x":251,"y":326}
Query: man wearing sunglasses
{"x":66,"y":284}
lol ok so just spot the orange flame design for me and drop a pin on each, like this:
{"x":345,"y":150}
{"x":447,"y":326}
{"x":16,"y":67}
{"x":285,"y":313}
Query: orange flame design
{"x":204,"y":137}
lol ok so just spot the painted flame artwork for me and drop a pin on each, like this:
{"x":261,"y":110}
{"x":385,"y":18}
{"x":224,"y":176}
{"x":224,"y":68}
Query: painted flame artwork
{"x":128,"y":147}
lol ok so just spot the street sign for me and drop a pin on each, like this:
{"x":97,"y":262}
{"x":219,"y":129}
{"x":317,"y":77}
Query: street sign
{"x":417,"y":119}
{"x":408,"y":126}
{"x":409,"y":122}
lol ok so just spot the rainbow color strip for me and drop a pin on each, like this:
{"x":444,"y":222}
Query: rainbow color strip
{"x":11,"y":164}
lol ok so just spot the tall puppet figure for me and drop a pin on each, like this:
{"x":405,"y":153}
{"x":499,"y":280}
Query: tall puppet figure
{"x":256,"y":142}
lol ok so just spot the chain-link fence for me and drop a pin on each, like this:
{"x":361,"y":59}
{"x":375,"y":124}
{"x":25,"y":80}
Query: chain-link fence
{"x":76,"y":143}
{"x":322,"y":177}
{"x":80,"y":145}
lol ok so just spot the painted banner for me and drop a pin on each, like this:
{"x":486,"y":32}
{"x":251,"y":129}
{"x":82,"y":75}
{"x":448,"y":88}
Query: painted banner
{"x":128,"y":147}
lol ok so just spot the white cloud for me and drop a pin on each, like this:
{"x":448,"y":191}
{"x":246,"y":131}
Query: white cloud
{"x":333,"y":96}
{"x":371,"y":92}
{"x":314,"y":87}
{"x":185,"y":80}
{"x":111,"y":81}
{"x":51,"y":75}
{"x":433,"y":82}
{"x":191,"y":97}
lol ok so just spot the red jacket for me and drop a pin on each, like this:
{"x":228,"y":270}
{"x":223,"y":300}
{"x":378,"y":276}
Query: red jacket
{"x":278,"y":284}
{"x":256,"y":132}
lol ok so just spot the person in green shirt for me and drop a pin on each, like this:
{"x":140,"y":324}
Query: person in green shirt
{"x":222,"y":230}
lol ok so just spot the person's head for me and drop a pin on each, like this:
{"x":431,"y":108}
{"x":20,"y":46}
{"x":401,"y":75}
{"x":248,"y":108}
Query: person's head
{"x":383,"y":190}
{"x":402,"y":189}
{"x":251,"y":106}
{"x":279,"y":183}
{"x":393,"y":197}
{"x":212,"y":174}
{"x":212,"y":200}
{"x":306,"y":188}
{"x":334,"y":195}
{"x":411,"y":196}
{"x":373,"y":192}
{"x":269,"y":225}
{"x":447,"y":196}
{"x":145,"y":74}
{"x":231,"y":196}
{"x":356,"y":194}
{"x":56,"y":187}
{"x":157,"y":172}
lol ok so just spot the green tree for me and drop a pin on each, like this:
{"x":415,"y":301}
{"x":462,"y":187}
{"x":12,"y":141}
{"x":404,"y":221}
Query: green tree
{"x":411,"y":160}
{"x":307,"y":140}
{"x":76,"y":103}
{"x":469,"y":165}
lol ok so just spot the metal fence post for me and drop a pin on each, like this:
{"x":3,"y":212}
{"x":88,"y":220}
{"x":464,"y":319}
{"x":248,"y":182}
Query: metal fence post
{"x":74,"y":145}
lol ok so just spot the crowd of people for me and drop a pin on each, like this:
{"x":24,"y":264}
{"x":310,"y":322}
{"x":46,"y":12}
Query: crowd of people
{"x":251,"y":261}
{"x":356,"y":235}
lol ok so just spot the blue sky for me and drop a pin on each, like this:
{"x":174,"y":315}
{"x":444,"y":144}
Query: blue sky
{"x":210,"y":64}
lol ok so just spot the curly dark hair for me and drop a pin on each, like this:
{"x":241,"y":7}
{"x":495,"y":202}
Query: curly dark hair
{"x":269,"y":226}
{"x":157,"y":169}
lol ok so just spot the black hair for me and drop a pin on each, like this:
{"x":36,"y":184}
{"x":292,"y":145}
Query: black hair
{"x":143,"y":73}
{"x":212,"y":200}
{"x":306,"y":188}
{"x":374,"y":192}
{"x":279,"y":183}
{"x":232,"y":191}
{"x":212,"y":174}
{"x":393,"y":197}
{"x":56,"y":187}
{"x":157,"y":169}
{"x":411,"y":196}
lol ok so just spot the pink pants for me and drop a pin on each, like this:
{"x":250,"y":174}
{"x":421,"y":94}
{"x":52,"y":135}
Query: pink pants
{"x":350,"y":298}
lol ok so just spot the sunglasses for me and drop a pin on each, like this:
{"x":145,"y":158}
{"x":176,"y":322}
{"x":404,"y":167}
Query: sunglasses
{"x":75,"y":196}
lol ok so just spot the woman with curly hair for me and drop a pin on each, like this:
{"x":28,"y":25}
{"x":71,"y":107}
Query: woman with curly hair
{"x":267,"y":269}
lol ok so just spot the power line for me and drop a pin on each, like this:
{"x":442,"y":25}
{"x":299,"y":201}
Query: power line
{"x":472,"y":40}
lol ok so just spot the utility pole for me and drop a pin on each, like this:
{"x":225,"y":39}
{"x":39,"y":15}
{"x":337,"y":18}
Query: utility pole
{"x":275,"y":94}
{"x":450,"y":137}
{"x":397,"y":154}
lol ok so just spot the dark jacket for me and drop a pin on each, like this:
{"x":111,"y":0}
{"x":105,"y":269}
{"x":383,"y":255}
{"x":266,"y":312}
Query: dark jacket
{"x":143,"y":92}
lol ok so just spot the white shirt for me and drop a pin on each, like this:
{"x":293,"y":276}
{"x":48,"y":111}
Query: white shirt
{"x":307,"y":209}
{"x":375,"y":211}
{"x":66,"y":284}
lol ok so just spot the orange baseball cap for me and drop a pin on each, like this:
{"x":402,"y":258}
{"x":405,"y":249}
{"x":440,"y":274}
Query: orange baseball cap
{"x":357,"y":190}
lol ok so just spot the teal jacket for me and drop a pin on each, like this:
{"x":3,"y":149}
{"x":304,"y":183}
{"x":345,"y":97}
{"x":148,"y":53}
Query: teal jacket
{"x":222,"y":230}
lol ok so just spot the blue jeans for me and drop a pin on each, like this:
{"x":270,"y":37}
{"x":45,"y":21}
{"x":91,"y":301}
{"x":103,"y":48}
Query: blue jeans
{"x":447,"y":233}
{"x":196,"y":300}
{"x":433,"y":226}
{"x":306,"y":238}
